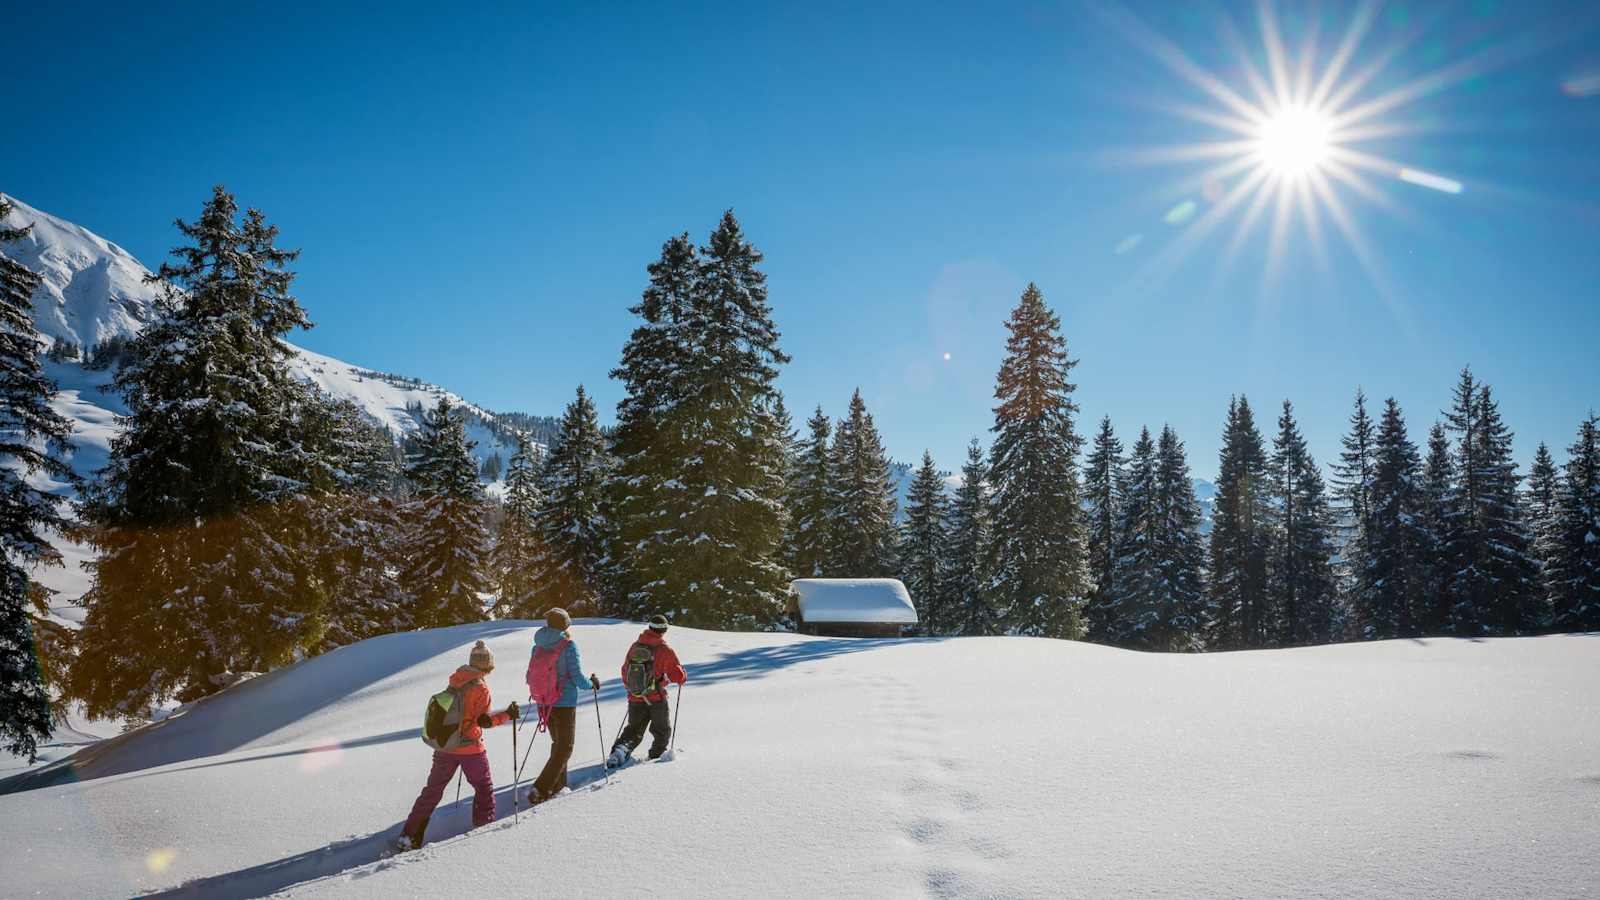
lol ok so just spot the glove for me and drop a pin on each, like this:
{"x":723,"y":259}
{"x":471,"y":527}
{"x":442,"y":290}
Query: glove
{"x":485,"y":722}
{"x":594,"y":681}
{"x":513,"y":712}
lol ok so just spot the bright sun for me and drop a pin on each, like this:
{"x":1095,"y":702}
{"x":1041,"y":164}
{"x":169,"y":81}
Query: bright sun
{"x":1294,"y":141}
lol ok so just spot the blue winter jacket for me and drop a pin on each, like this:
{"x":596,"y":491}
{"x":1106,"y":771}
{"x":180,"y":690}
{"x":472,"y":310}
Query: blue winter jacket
{"x":569,"y":670}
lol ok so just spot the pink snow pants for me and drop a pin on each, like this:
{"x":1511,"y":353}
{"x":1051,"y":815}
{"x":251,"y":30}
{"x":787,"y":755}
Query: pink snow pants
{"x":476,"y":768}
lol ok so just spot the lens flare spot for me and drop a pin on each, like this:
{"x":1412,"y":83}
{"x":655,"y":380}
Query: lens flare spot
{"x":1180,"y":214}
{"x":1430,"y":180}
{"x":947,"y":356}
{"x":157,"y":861}
{"x":1585,"y":85}
{"x":320,"y":759}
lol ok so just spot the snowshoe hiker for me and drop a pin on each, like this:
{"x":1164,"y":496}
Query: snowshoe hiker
{"x":557,"y":698}
{"x":453,"y":726}
{"x":647,"y":669}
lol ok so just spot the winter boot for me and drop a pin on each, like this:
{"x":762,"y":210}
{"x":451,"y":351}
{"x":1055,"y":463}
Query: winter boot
{"x":617,"y":759}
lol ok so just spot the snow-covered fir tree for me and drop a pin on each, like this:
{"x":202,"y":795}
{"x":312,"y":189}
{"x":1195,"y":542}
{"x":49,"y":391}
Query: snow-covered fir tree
{"x":1575,"y":579}
{"x":1391,"y":568}
{"x":701,"y":541}
{"x":1541,"y":506}
{"x":1241,"y":535}
{"x":193,"y":582}
{"x":1352,"y":474}
{"x":1102,"y":492}
{"x":923,"y":540}
{"x":573,"y":532}
{"x":447,"y":565}
{"x":1125,"y":608}
{"x":806,"y":542}
{"x":1437,"y":502}
{"x":1037,"y":567}
{"x":1158,"y":597}
{"x":516,"y":544}
{"x":965,"y":579}
{"x":1300,"y":577}
{"x":1493,"y":576}
{"x":861,"y":504}
{"x":32,"y":438}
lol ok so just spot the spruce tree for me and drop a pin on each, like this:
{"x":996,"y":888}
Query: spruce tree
{"x":447,"y":567}
{"x":1575,"y":577}
{"x":1391,"y":574}
{"x":1159,"y":598}
{"x":1102,"y":488}
{"x":1438,"y":504}
{"x":516,"y":545}
{"x":861,"y":502}
{"x":1352,"y":474}
{"x":1493,"y":574}
{"x":1541,"y":504}
{"x":966,"y":578}
{"x":1037,"y":566}
{"x":807,"y":543}
{"x":923,"y":542}
{"x":1241,"y":535}
{"x":1124,"y":611}
{"x":1300,"y":579}
{"x":192,"y":583}
{"x":32,"y":438}
{"x":569,"y":563}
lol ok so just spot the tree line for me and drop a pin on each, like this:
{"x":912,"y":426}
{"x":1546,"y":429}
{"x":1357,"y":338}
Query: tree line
{"x":245,"y":521}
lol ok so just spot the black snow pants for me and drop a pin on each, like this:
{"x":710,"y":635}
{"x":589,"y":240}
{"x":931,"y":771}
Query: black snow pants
{"x":563,"y":733}
{"x":653,"y":714}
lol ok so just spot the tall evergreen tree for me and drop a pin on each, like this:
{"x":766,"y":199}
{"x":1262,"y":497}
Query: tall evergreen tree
{"x":1541,"y":503}
{"x":1037,"y":566}
{"x":569,"y":564}
{"x":1124,"y":611}
{"x":1391,"y":572}
{"x":1159,"y":597}
{"x":1352,"y":474}
{"x":192,"y":582}
{"x":966,"y":577}
{"x":1575,"y":577}
{"x":1438,"y":505}
{"x":704,"y":541}
{"x":1493,"y":574}
{"x":32,"y":438}
{"x":923,"y":542}
{"x":1102,"y":489}
{"x":1300,"y":578}
{"x":807,"y":543}
{"x":516,"y":547}
{"x":861,"y":502}
{"x":447,"y":567}
{"x":1241,"y":535}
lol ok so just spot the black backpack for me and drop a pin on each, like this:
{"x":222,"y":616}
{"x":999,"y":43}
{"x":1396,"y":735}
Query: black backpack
{"x":639,"y":673}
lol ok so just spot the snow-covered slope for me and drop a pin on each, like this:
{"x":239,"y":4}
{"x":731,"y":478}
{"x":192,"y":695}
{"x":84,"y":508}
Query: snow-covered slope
{"x":984,"y":767}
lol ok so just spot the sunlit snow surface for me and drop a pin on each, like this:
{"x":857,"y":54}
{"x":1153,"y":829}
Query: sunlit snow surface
{"x":989,"y":767}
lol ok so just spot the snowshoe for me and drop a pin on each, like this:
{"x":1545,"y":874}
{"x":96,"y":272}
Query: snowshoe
{"x":617,"y":759}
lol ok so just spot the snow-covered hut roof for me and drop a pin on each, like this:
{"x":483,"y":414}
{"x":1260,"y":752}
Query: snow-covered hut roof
{"x":865,"y":600}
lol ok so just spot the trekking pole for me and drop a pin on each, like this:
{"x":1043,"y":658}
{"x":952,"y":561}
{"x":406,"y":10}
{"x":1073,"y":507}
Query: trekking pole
{"x":516,"y":811}
{"x":600,"y":732}
{"x":675,"y":710}
{"x":459,"y":773}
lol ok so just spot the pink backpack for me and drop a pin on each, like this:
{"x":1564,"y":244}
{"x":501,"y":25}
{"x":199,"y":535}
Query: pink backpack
{"x":544,"y":687}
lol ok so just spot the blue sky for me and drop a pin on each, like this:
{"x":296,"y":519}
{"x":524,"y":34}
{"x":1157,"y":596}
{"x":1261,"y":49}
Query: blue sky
{"x":477,"y":193}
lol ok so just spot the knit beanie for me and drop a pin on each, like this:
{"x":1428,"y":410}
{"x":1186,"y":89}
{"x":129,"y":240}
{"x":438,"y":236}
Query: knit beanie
{"x":481,"y":659}
{"x":558,"y":619}
{"x":658,"y":623}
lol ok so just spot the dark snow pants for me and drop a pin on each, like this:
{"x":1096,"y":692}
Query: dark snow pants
{"x":476,"y":768}
{"x":642,"y":713}
{"x":563,"y":731}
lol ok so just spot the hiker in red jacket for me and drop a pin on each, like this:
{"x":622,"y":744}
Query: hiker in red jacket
{"x":463,"y":749}
{"x":647,"y":669}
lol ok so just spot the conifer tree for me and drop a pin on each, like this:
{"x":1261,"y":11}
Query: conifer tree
{"x":1438,"y":503}
{"x":1575,"y":577}
{"x":1300,"y":579}
{"x":1123,"y":611}
{"x":516,"y":547}
{"x":32,"y":438}
{"x":1241,"y":535}
{"x":861,"y":502}
{"x":1159,"y":599}
{"x":192,"y":583}
{"x":447,"y":567}
{"x":569,"y":561}
{"x":1037,"y":566}
{"x":966,"y":578}
{"x":1541,"y":503}
{"x":1352,"y":474}
{"x":1493,"y":574}
{"x":1102,"y":488}
{"x":924,"y":538}
{"x":1391,"y":571}
{"x":807,"y":543}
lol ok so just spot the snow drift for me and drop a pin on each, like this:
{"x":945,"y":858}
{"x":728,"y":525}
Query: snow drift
{"x":993,"y":767}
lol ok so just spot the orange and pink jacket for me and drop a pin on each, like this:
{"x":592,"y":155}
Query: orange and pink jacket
{"x":475,"y":703}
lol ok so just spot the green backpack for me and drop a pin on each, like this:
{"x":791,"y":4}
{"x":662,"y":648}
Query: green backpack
{"x":639,"y":677}
{"x":441,"y":721}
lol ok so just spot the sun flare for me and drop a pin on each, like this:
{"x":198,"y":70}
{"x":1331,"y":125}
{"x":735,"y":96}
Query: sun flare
{"x":1295,"y":141}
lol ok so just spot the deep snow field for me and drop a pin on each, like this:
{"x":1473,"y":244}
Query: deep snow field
{"x":990,"y":767}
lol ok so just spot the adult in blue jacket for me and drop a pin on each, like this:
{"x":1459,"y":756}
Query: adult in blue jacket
{"x":564,"y":717}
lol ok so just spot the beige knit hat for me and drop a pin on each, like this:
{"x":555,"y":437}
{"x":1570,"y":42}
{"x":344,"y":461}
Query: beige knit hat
{"x":558,"y":619}
{"x":481,"y":659}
